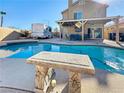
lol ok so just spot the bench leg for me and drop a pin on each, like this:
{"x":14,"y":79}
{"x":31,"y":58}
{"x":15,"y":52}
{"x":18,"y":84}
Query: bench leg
{"x":74,"y":82}
{"x":40,"y":78}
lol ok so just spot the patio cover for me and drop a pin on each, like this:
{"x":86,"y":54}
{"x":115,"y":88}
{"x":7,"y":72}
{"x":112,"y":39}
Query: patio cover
{"x":115,"y":19}
{"x":90,"y":20}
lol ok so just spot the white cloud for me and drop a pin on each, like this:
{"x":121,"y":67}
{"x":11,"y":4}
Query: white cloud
{"x":106,"y":1}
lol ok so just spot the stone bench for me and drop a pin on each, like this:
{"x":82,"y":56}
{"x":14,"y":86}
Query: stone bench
{"x":75,"y":64}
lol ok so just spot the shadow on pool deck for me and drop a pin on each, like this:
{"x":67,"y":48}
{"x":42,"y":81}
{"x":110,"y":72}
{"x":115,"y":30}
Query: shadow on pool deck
{"x":101,"y":82}
{"x":100,"y":76}
{"x":16,"y":73}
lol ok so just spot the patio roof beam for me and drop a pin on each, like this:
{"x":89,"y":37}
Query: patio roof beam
{"x":90,"y":19}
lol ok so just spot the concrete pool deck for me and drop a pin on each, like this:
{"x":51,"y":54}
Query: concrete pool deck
{"x":18,"y":77}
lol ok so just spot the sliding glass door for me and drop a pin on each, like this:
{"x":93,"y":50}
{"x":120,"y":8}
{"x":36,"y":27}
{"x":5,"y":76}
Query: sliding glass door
{"x":98,"y":33}
{"x":94,"y":33}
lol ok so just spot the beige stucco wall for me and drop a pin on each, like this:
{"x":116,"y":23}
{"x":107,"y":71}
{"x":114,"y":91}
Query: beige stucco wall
{"x":65,"y":15}
{"x":90,"y":9}
{"x":12,"y":36}
{"x":94,"y":10}
{"x":111,"y":29}
{"x":9,"y":33}
{"x":73,"y":9}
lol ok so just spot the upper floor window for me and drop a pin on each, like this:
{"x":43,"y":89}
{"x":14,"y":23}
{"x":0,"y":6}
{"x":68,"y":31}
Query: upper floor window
{"x":78,"y":15}
{"x":74,"y":1}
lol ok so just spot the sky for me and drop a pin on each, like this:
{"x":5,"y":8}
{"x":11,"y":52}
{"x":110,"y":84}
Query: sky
{"x":22,"y":13}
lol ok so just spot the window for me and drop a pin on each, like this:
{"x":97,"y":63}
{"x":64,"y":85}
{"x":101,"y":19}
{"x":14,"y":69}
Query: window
{"x":78,"y":15}
{"x":75,"y":1}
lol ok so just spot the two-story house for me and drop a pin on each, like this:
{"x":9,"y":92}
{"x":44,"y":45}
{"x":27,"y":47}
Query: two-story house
{"x":84,"y":19}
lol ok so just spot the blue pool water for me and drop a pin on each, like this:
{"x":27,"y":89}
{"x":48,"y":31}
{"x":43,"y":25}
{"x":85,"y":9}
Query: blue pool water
{"x":111,"y":59}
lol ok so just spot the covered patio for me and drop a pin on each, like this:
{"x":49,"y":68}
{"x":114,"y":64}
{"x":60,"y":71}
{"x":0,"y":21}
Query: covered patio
{"x":81,"y":24}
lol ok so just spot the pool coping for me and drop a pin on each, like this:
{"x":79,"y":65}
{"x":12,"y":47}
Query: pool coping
{"x":68,"y":43}
{"x":101,"y":45}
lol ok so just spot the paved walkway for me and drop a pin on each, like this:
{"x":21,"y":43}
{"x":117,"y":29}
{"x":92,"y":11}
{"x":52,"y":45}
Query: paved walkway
{"x":15,"y":73}
{"x":122,"y":44}
{"x":13,"y":90}
{"x":102,"y":82}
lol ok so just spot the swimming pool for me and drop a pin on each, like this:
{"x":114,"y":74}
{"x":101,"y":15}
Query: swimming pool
{"x":106,"y":58}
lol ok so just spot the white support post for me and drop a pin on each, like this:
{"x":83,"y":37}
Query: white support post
{"x":103,"y":32}
{"x":116,"y":20}
{"x":93,"y":33}
{"x":60,"y":31}
{"x":83,"y":29}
